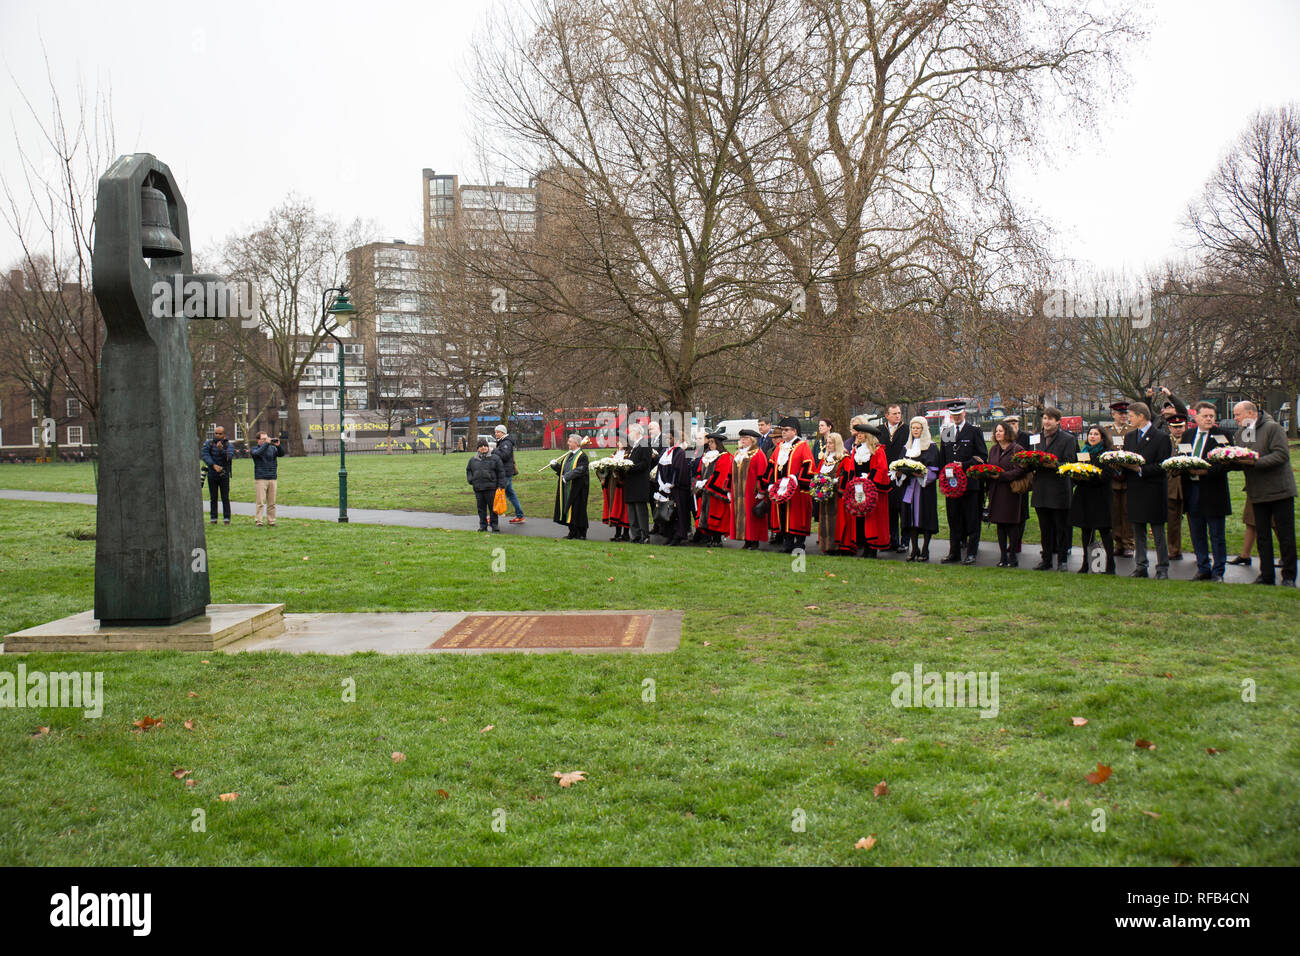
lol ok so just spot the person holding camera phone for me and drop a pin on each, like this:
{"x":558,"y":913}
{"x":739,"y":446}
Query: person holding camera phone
{"x":264,"y":477}
{"x":218,"y":456}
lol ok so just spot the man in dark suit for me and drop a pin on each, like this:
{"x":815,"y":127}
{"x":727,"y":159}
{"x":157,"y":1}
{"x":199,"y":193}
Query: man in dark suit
{"x":1147,"y":493}
{"x":1051,"y":496}
{"x":767,"y":441}
{"x":963,"y":443}
{"x":895,"y":442}
{"x":1206,"y":498}
{"x":636,"y":485}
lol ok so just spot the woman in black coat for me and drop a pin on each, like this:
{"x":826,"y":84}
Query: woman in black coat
{"x":1005,"y":506}
{"x":1090,"y":506}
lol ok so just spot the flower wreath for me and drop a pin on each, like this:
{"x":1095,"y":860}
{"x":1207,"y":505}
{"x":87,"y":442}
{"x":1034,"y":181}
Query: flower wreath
{"x":860,"y":497}
{"x":783,"y":490}
{"x":952,"y":480}
{"x":823,"y":488}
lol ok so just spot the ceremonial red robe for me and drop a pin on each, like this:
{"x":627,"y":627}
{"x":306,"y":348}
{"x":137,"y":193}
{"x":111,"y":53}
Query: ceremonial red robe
{"x":715,"y":500}
{"x":613,"y":511}
{"x":794,"y":515}
{"x":746,"y":479}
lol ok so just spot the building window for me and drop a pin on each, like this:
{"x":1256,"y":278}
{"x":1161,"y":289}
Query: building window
{"x":212,"y":430}
{"x":354,"y":350}
{"x":74,"y":408}
{"x":209,"y":353}
{"x":209,"y":378}
{"x":74,"y":434}
{"x":241,"y":407}
{"x":36,"y":436}
{"x":36,"y":408}
{"x":239,"y":432}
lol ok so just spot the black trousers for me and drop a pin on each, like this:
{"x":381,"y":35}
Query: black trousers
{"x":1276,"y":516}
{"x":219,"y":484}
{"x":1057,"y":532}
{"x":485,"y":513}
{"x":964,"y":522}
{"x":1009,"y":538}
{"x":897,"y":534}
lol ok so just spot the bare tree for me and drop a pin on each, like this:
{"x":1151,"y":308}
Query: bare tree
{"x":1247,"y":222}
{"x":49,"y":209}
{"x":291,"y":259}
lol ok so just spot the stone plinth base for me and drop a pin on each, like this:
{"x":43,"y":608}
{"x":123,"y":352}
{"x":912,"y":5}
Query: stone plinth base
{"x":221,"y":624}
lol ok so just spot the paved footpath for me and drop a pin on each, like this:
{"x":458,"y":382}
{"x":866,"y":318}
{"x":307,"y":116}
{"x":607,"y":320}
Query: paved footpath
{"x":545,"y":528}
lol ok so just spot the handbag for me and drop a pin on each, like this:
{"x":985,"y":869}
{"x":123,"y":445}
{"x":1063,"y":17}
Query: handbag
{"x":499,"y":502}
{"x":666,"y":512}
{"x":761,"y":507}
{"x":1023,"y":485}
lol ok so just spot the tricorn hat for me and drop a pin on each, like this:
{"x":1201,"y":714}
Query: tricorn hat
{"x":716,"y":436}
{"x":875,"y":430}
{"x":788,"y":422}
{"x":750,"y":432}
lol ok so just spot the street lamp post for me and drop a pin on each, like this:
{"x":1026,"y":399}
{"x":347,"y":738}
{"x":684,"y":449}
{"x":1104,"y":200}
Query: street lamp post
{"x":340,"y":310}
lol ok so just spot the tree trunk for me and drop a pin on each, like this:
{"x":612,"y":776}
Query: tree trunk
{"x":293,"y":424}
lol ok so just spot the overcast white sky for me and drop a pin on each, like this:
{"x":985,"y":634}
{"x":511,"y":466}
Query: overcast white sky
{"x":345,"y":103}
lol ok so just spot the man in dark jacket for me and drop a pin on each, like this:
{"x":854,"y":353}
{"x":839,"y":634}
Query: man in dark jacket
{"x":485,"y":474}
{"x":1206,"y":499}
{"x":962,"y":443}
{"x":1270,"y":486}
{"x":505,"y":450}
{"x":768,"y":441}
{"x":1051,"y":497}
{"x":265,"y":470}
{"x":1147,"y":491}
{"x":636,"y":485}
{"x":218,"y":455}
{"x":895,"y":442}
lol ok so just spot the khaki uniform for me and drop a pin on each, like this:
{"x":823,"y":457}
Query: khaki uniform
{"x":1174,"y":526}
{"x":1120,"y":527}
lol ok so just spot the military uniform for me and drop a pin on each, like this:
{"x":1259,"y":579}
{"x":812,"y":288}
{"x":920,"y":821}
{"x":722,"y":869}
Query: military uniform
{"x":1120,"y":526}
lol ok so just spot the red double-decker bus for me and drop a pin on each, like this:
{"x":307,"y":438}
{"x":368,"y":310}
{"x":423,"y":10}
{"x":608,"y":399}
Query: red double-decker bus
{"x":603,"y":425}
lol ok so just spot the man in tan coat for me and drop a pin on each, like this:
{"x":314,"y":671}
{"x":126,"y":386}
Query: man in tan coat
{"x":1120,"y":527}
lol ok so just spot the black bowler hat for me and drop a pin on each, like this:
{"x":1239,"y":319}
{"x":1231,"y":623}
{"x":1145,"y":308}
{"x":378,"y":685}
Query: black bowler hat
{"x":788,"y":422}
{"x":1119,"y":406}
{"x":750,"y":432}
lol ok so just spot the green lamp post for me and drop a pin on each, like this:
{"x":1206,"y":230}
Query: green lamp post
{"x":338,"y":311}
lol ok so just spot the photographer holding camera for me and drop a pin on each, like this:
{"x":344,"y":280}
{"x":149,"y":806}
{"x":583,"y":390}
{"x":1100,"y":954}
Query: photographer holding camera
{"x":218,"y":456}
{"x":264,"y":477}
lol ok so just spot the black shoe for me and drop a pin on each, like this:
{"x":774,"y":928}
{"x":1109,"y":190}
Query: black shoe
{"x":1162,"y":574}
{"x":969,"y":559}
{"x":496,"y":530}
{"x":1217,"y":579}
{"x":1083,"y":568}
{"x":1176,"y":557}
{"x":1261,"y":580}
{"x":1139,"y":573}
{"x":227,"y":521}
{"x":954,"y":557}
{"x":1286,"y":582}
{"x":214,"y":520}
{"x":1063,"y":565}
{"x":1043,"y":566}
{"x":1013,"y":562}
{"x":1202,"y":576}
{"x":484,"y":528}
{"x":1241,"y":562}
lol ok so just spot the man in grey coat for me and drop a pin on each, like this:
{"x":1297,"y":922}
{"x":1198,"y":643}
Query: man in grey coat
{"x":1270,"y":486}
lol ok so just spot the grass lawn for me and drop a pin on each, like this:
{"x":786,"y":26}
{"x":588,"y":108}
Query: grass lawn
{"x":429,"y":482}
{"x":777,"y":703}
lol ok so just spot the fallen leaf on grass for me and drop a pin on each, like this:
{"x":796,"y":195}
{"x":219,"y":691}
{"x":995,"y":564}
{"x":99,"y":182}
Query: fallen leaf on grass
{"x":190,"y":783}
{"x":1152,"y":814}
{"x":204,"y":662}
{"x":443,"y":719}
{"x":189,"y":725}
{"x":880,"y":790}
{"x":1100,"y":775}
{"x":707,"y":644}
{"x":442,"y":793}
{"x":191,"y":694}
{"x":1212,"y":751}
{"x":899,"y":740}
{"x":147,"y":723}
{"x":866,"y":843}
{"x":650,"y":556}
{"x":811,"y":607}
{"x":227,"y":797}
{"x":1079,"y":721}
{"x":1144,"y":744}
{"x":571,"y":777}
{"x":304,"y":557}
{"x":41,"y":731}
{"x":181,"y":774}
{"x":487,"y":728}
{"x":398,"y":756}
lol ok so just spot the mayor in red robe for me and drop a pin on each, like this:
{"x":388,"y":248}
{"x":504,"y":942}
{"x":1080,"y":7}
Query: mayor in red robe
{"x":748,"y":471}
{"x":869,"y":459}
{"x":791,"y":462}
{"x":714,"y":518}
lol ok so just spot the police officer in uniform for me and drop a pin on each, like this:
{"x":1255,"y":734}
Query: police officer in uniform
{"x":963,"y":443}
